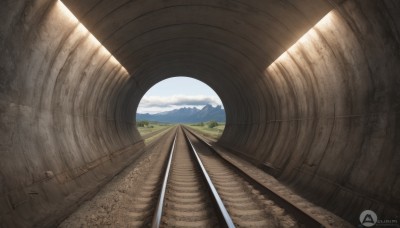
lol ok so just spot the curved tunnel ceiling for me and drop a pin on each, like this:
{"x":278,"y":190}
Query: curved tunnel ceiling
{"x":247,"y":30}
{"x":226,"y":44}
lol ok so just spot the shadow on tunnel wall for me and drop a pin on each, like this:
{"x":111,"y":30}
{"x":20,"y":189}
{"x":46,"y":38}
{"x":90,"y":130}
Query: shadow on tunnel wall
{"x":332,"y":131}
{"x":62,"y":131}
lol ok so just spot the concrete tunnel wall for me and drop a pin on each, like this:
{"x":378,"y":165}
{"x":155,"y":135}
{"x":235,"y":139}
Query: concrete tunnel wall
{"x":61,"y":133}
{"x":322,"y":116}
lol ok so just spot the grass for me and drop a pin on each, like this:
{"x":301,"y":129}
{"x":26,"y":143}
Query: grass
{"x":153,"y":127}
{"x":151,"y":138}
{"x":214,"y":133}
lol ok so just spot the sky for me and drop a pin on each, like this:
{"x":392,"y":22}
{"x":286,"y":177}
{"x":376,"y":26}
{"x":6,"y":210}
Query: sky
{"x":177,"y":92}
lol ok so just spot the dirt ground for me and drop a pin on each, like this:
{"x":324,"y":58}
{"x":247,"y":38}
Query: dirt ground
{"x":116,"y":204}
{"x":324,"y":215}
{"x":128,"y":200}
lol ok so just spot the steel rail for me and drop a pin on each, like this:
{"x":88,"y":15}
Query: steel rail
{"x":159,"y":210}
{"x":224,"y":216}
{"x":303,"y":217}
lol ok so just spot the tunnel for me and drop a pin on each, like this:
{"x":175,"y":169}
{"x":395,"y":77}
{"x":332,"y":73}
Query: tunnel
{"x":310,"y":89}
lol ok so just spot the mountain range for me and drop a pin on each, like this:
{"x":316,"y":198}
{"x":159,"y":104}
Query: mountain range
{"x":186,"y":115}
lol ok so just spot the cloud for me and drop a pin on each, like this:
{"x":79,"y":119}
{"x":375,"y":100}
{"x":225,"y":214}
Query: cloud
{"x":178,"y":100}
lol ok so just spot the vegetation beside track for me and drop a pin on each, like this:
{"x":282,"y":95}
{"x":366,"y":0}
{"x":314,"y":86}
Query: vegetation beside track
{"x":151,"y":127}
{"x":151,"y":130}
{"x":204,"y":129}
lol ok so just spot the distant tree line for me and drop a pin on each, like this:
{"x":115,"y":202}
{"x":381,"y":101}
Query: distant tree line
{"x":142,"y":123}
{"x":210,"y":124}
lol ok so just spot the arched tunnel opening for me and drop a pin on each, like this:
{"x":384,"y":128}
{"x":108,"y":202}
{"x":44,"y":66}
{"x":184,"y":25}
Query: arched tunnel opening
{"x":180,"y":100}
{"x":310,"y":91}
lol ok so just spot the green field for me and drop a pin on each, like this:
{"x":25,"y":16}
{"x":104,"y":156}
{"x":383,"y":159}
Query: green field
{"x":151,"y":131}
{"x":147,"y":130}
{"x":152,"y":128}
{"x":214,"y":133}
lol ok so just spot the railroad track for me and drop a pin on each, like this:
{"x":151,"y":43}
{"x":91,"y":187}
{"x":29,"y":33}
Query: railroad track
{"x":201,"y":189}
{"x":188,"y":198}
{"x":183,"y":182}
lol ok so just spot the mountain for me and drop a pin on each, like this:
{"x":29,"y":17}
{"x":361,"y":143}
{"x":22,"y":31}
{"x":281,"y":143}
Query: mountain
{"x":186,"y":115}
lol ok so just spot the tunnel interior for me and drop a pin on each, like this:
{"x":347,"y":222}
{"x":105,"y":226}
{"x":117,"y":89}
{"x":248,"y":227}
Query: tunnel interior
{"x":310,"y":91}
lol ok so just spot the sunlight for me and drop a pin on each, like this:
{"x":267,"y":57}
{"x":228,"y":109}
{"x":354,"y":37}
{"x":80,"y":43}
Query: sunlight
{"x":83,"y":30}
{"x":306,"y":39}
{"x":178,"y":92}
{"x":181,"y":100}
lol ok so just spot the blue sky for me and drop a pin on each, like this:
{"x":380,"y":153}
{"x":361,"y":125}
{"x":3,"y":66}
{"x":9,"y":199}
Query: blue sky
{"x":177,"y":92}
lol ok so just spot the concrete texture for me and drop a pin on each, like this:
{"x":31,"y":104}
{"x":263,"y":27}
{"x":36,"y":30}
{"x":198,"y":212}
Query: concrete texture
{"x":322,"y":117}
{"x":61,"y":135}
